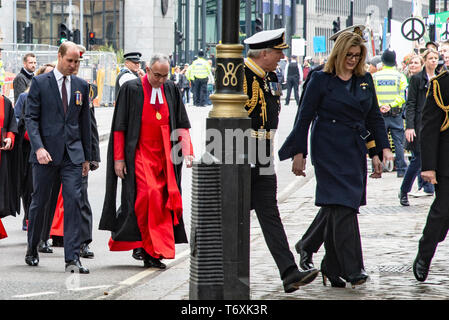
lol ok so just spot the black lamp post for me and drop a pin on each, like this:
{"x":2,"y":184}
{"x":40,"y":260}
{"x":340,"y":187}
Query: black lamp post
{"x":221,"y":180}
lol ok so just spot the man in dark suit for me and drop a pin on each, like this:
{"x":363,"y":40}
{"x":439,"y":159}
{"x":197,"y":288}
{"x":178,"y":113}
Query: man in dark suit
{"x":434,"y":169}
{"x":58,"y":123}
{"x":294,"y":78}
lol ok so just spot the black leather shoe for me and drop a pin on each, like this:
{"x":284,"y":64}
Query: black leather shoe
{"x":44,"y":247}
{"x":75,"y":266}
{"x":57,"y":241}
{"x":150,"y":262}
{"x":305,"y":258}
{"x":32,"y":257}
{"x":400,"y":174}
{"x":420,"y":269}
{"x":296,"y":279}
{"x":85,"y":251}
{"x":403,"y":199}
{"x":139,"y":254}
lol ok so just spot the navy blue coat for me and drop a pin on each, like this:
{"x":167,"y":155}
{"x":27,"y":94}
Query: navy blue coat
{"x":49,"y":128}
{"x":338,"y":151}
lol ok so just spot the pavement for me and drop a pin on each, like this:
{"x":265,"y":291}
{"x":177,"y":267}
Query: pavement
{"x":389,"y":233}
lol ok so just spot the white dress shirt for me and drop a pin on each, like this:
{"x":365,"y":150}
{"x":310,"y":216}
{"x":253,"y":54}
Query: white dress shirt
{"x":59,"y":76}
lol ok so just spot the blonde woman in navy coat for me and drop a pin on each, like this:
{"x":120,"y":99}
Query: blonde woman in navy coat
{"x":341,"y":101}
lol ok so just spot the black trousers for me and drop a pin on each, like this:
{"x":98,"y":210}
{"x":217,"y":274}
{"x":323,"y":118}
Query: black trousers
{"x":200,"y":92}
{"x":342,"y":241}
{"x":50,"y":208}
{"x":437,"y":223}
{"x":313,"y":238}
{"x":292,"y":83}
{"x":44,"y":177}
{"x":86,"y":212}
{"x":264,"y":202}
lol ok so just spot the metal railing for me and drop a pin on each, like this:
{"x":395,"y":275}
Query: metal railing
{"x":97,"y":67}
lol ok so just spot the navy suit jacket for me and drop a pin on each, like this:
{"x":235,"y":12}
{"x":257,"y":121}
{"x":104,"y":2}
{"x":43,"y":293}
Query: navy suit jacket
{"x":49,"y":128}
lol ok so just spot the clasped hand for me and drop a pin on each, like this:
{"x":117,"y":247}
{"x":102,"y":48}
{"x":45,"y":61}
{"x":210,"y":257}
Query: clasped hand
{"x":8,"y":144}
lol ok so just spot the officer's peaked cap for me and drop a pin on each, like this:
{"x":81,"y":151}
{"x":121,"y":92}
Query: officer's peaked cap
{"x":274,"y":39}
{"x":133,"y":56}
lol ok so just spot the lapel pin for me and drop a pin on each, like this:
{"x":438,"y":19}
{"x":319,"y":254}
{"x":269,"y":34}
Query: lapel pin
{"x":364,"y":85}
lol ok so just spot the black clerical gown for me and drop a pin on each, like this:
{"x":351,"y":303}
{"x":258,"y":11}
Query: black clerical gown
{"x":9,"y":200}
{"x":123,"y":222}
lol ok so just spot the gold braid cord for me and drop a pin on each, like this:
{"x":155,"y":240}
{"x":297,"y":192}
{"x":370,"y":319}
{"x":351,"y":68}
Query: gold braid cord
{"x":252,"y":102}
{"x":439,"y":102}
{"x":263,"y":107}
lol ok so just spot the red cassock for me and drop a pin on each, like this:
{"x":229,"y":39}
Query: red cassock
{"x":57,"y":227}
{"x":2,"y":120}
{"x":3,"y":233}
{"x":158,"y":204}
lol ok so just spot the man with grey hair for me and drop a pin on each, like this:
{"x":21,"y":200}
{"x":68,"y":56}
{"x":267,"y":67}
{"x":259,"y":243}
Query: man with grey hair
{"x":263,"y":106}
{"x":149,"y":120}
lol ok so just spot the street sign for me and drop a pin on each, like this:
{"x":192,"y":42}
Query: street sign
{"x":441,"y":18}
{"x":413,"y":29}
{"x":445,"y":34}
{"x":298,"y":47}
{"x":319,"y":44}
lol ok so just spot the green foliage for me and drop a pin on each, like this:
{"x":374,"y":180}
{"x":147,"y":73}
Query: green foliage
{"x":119,"y":53}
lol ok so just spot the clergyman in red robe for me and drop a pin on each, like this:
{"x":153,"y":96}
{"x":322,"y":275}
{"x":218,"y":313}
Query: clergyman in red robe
{"x":149,"y":120}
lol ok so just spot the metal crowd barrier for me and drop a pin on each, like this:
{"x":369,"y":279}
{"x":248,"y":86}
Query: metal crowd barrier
{"x":97,"y":67}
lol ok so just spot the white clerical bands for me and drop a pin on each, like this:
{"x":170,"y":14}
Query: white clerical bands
{"x":156,"y":92}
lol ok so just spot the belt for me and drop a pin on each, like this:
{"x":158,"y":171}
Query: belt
{"x":262,"y":134}
{"x":357,"y":126}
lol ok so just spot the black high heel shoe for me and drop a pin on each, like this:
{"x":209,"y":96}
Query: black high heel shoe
{"x":336,"y":281}
{"x":358,"y":279}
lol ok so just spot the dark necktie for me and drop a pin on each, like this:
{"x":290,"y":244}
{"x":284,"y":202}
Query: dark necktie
{"x":64,"y":95}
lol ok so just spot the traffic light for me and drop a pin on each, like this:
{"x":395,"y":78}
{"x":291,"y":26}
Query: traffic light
{"x":28,"y":34}
{"x":179,"y":37}
{"x":92,"y":39}
{"x":259,"y":24}
{"x":336,"y":25}
{"x":77,"y":36}
{"x":64,"y":33}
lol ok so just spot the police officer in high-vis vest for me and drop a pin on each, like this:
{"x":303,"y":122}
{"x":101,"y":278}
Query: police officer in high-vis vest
{"x":263,"y":106}
{"x":199,"y":72}
{"x":130,"y":71}
{"x":390,"y":89}
{"x":2,"y":71}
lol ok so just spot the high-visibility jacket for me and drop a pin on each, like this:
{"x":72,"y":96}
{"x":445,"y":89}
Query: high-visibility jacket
{"x":189,"y":73}
{"x":200,"y":68}
{"x":390,"y":87}
{"x":2,"y":74}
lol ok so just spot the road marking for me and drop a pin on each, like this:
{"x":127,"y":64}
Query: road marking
{"x":130,"y":281}
{"x":29,"y":295}
{"x":89,"y":288}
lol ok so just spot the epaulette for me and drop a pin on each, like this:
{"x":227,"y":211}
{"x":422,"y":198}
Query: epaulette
{"x":438,"y":76}
{"x":439,"y":99}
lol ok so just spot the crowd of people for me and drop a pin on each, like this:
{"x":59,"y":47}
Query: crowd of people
{"x":196,"y":78}
{"x":49,"y":143}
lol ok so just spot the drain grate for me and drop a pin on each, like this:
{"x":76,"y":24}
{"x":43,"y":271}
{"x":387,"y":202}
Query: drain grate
{"x":394,"y":268}
{"x":393,"y":209}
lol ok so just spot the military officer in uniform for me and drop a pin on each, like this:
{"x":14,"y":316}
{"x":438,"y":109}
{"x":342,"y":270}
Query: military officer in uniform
{"x":130,"y":71}
{"x":434,"y":169}
{"x":263,"y":106}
